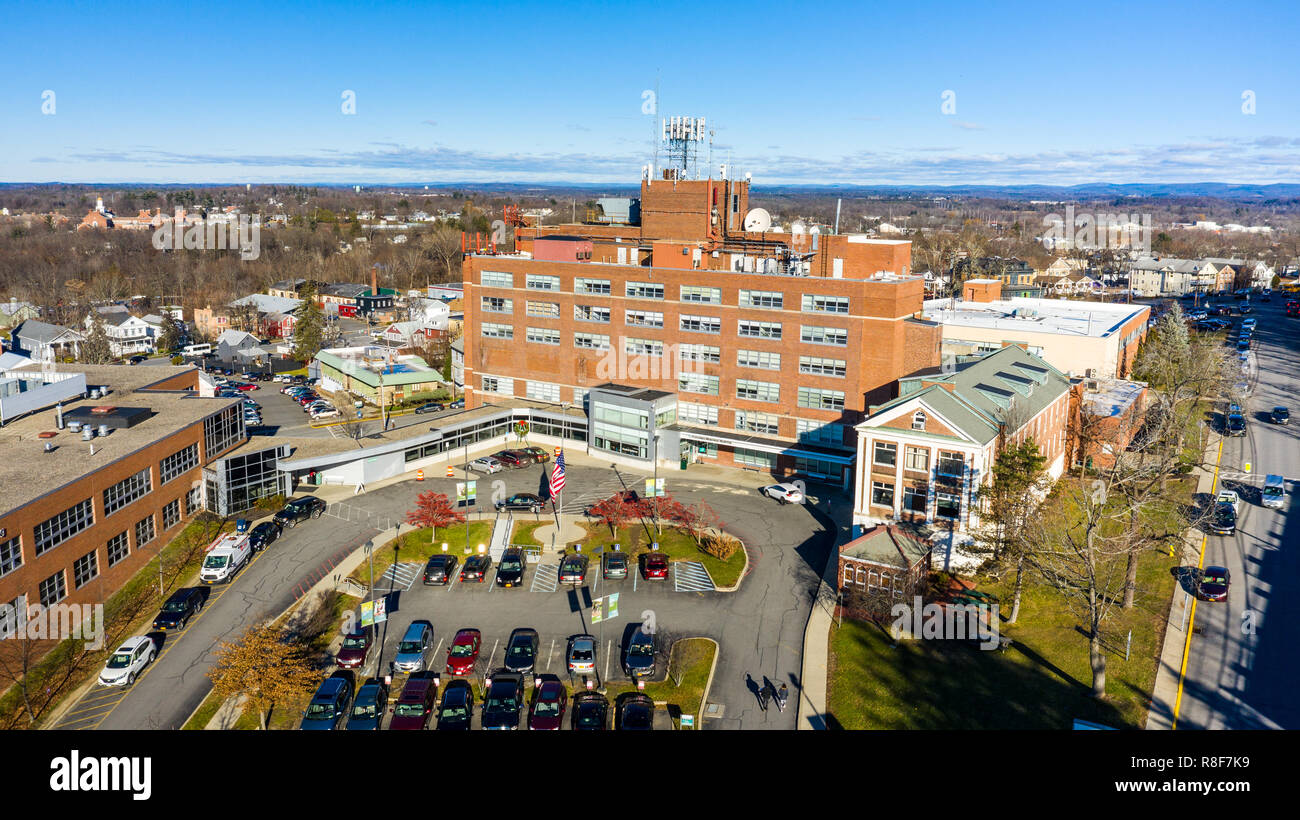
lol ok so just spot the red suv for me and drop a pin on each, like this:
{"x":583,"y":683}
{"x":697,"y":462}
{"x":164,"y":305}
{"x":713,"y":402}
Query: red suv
{"x":415,"y":706}
{"x":654,"y":566}
{"x":356,"y":648}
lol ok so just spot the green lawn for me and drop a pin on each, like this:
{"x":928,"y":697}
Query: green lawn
{"x":418,"y":545}
{"x":694,"y":658}
{"x":523,"y":532}
{"x":636,"y":537}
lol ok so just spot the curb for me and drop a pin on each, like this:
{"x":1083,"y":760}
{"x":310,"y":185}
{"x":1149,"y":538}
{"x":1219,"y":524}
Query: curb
{"x":708,"y":684}
{"x":743,"y":571}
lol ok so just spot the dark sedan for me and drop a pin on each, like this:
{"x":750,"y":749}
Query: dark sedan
{"x":522,"y":501}
{"x":476,"y":568}
{"x":369,"y":708}
{"x":590,"y":712}
{"x":510,"y":570}
{"x":547,"y":710}
{"x":430,"y":407}
{"x":573,"y":569}
{"x":505,"y":700}
{"x":639,"y":660}
{"x":440,"y":569}
{"x":1280,"y":415}
{"x":457,"y":707}
{"x":1223,"y":520}
{"x":513,"y":458}
{"x":264,"y":535}
{"x":521,"y":650}
{"x":1214,"y":584}
{"x":635,"y":712}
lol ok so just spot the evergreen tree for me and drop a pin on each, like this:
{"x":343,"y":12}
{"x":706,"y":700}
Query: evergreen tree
{"x":169,"y":338}
{"x":96,"y":348}
{"x":309,"y":332}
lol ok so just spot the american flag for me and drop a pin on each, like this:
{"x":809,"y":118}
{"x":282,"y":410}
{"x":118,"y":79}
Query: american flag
{"x":557,"y":476}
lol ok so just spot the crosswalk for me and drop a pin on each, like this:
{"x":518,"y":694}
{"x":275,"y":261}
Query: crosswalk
{"x":691,"y":576}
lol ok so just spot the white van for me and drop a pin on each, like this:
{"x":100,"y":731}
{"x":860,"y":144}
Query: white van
{"x":1274,"y":492}
{"x":226,"y":556}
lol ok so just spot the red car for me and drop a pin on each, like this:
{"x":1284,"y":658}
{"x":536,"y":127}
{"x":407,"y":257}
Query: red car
{"x":463,"y":652}
{"x":654,"y":566}
{"x":415,"y":706}
{"x":246,"y":386}
{"x":355,"y":649}
{"x":547,"y":710}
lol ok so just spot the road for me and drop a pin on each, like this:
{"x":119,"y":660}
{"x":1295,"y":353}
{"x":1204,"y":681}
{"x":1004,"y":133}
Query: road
{"x":1242,"y":666}
{"x":759,"y":628}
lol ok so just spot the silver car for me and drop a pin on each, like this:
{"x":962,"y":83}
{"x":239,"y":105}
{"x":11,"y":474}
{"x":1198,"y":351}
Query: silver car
{"x":415,"y":648}
{"x":582,"y":655}
{"x":486,"y":464}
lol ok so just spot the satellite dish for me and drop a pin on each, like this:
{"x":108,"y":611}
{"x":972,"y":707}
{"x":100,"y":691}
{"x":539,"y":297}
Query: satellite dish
{"x":816,"y":229}
{"x":758,"y":220}
{"x":798,"y":228}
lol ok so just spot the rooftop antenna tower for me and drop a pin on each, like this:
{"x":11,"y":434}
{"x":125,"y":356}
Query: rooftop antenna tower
{"x":683,"y":136}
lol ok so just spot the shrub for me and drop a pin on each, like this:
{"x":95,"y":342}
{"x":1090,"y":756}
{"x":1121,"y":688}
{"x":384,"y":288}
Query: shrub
{"x":270,"y":503}
{"x":720,"y":545}
{"x":178,"y":359}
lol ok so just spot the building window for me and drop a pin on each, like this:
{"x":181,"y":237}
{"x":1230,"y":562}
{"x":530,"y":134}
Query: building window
{"x":622,"y":416}
{"x":916,"y":458}
{"x":951,"y":464}
{"x":643,"y":318}
{"x":223,"y":431}
{"x":599,"y":287}
{"x":643,"y":347}
{"x":193,"y":500}
{"x":758,"y":358}
{"x":644,"y":290}
{"x":542,"y":391}
{"x":918,"y":420}
{"x":914,"y":500}
{"x":700,"y":324}
{"x":178,"y":463}
{"x":127,"y":490}
{"x":171,"y":514}
{"x":751,"y":422}
{"x":144,"y":532}
{"x":592,"y":341}
{"x":701,"y":414}
{"x":496,"y":279}
{"x":496,"y":384}
{"x":704,"y":295}
{"x":817,"y":366}
{"x":882,"y":494}
{"x":885,"y":454}
{"x":947,"y":505}
{"x":758,"y":391}
{"x":492,"y":330}
{"x":85,"y":568}
{"x":699,"y":353}
{"x":546,"y":310}
{"x":698,"y":383}
{"x":591,"y":313}
{"x":818,"y":399}
{"x":817,"y":468}
{"x":620,"y":440}
{"x":755,"y":458}
{"x":759,"y":330}
{"x":838,"y":337}
{"x":813,"y":303}
{"x":54,"y":531}
{"x":11,"y":555}
{"x":498,"y":304}
{"x":811,"y":431}
{"x":537,"y":281}
{"x":118,"y":548}
{"x":767,"y":299}
{"x":543,"y":336}
{"x":53,"y":589}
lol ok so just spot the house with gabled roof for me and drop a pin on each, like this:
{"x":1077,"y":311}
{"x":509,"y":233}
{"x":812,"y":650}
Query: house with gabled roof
{"x":925,"y":456}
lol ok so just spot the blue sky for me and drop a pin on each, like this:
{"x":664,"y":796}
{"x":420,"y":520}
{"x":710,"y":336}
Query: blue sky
{"x":1049,"y":93}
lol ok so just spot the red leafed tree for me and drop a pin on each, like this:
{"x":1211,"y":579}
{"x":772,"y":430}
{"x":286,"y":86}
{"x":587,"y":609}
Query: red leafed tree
{"x":661,"y":508}
{"x":433,"y":510}
{"x":614,"y":511}
{"x":697,"y":519}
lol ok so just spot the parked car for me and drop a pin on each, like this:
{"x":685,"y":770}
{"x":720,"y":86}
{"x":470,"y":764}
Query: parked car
{"x":1213,"y":584}
{"x":457,"y":707}
{"x":573,"y":569}
{"x":1236,"y":424}
{"x":225,"y":558}
{"x":463,"y":652}
{"x":440,"y":569}
{"x":539,"y":454}
{"x":457,"y":404}
{"x":246,"y":386}
{"x":415,"y":648}
{"x":1280,"y":415}
{"x":486,"y":464}
{"x":639,"y":657}
{"x":510,"y":570}
{"x":476,"y":568}
{"x":130,"y":659}
{"x":179,"y":607}
{"x":785,"y":493}
{"x":138,"y":359}
{"x":522,"y":501}
{"x":1223,"y":520}
{"x":356,"y":648}
{"x":329,"y":706}
{"x":521,"y":650}
{"x":370,"y":706}
{"x":635,"y":712}
{"x":613,"y":565}
{"x":264,"y":535}
{"x":414,"y":707}
{"x":504,"y":702}
{"x":590,"y":712}
{"x":299,"y":509}
{"x":513,"y":458}
{"x":654,"y":566}
{"x":581,"y":655}
{"x":546,"y":713}
{"x":326,"y":413}
{"x":430,"y":407}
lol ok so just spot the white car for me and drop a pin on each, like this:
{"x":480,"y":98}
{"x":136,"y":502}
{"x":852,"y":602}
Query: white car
{"x":1229,"y":497}
{"x":785,"y":493}
{"x":486,"y":464}
{"x":128,"y":661}
{"x":324,"y":413}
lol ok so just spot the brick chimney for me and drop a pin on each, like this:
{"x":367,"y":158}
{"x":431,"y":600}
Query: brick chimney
{"x":981,"y":290}
{"x":374,"y":280}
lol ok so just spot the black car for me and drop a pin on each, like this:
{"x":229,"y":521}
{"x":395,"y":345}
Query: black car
{"x":521,"y":650}
{"x":180,"y":607}
{"x":521,"y":501}
{"x":138,"y":359}
{"x":370,"y":706}
{"x":458,"y":404}
{"x":590,"y":712}
{"x":635,"y":712}
{"x":329,"y":706}
{"x":1280,"y":415}
{"x":264,"y":534}
{"x":1213,"y":585}
{"x":457,"y":707}
{"x":1223,"y":521}
{"x":476,"y":568}
{"x":573,"y":569}
{"x":430,"y":407}
{"x":639,"y":658}
{"x":440,"y":569}
{"x":300,"y":509}
{"x":1236,"y":424}
{"x":510,"y":570}
{"x":504,"y":702}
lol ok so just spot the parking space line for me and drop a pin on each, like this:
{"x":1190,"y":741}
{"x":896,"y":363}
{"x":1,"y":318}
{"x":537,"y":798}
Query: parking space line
{"x":608,"y":644}
{"x":550,"y":656}
{"x":495,"y":643}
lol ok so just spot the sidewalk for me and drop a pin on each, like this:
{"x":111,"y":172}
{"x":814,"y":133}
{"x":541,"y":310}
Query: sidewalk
{"x":814,"y":677}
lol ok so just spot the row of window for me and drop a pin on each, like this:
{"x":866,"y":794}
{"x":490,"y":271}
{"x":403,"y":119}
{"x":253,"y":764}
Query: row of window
{"x":885,"y":454}
{"x":811,"y":334}
{"x":762,"y":299}
{"x":946,"y":505}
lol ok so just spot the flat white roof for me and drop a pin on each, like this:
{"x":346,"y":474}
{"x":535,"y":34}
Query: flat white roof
{"x":1059,"y":316}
